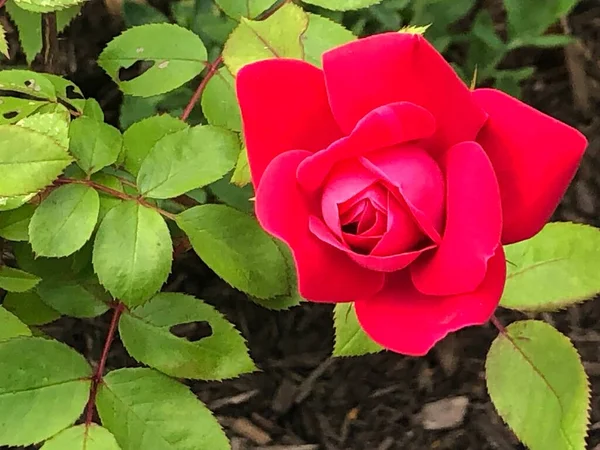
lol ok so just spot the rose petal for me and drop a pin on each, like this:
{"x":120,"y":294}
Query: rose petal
{"x":284,"y":107}
{"x":404,"y":320}
{"x":535,"y":158}
{"x":420,"y":181}
{"x":325,"y":274}
{"x":386,"y":126}
{"x":390,"y":263}
{"x":402,"y":233}
{"x":399,"y":67}
{"x":473,"y":225}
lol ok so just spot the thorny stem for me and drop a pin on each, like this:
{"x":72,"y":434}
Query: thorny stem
{"x":117,"y":194}
{"x":99,"y":372}
{"x":214,"y":66}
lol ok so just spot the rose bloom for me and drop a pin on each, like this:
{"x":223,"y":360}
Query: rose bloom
{"x":395,"y":185}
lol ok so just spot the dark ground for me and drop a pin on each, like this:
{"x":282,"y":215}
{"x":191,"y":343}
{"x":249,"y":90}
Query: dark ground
{"x":302,"y":400}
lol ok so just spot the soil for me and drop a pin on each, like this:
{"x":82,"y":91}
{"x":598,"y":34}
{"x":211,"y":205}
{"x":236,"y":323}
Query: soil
{"x":304,"y":400}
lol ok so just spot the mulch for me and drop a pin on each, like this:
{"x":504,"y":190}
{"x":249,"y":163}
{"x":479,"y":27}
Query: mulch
{"x":304,"y":400}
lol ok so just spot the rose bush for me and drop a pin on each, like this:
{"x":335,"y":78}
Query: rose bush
{"x":395,"y":185}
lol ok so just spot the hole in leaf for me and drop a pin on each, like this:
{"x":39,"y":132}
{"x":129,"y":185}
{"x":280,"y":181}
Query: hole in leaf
{"x":192,"y":331}
{"x":10,"y":114}
{"x":71,"y":94}
{"x":135,"y":70}
{"x":29,"y":83}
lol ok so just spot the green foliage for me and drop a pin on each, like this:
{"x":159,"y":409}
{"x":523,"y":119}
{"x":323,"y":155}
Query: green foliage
{"x":241,"y":175}
{"x":176,"y":55}
{"x":11,"y":326}
{"x":537,"y":383}
{"x":94,"y":144}
{"x":186,"y":160}
{"x":39,"y":162}
{"x":145,"y":409}
{"x":140,"y":137}
{"x":29,"y":308}
{"x":350,"y":339}
{"x":45,"y":395}
{"x":219,"y":102}
{"x":132,"y":252}
{"x":522,"y":23}
{"x":3,"y":42}
{"x":233,"y":245}
{"x":276,"y":37}
{"x":14,"y":224}
{"x":15,"y":280}
{"x":45,"y":6}
{"x":321,"y":35}
{"x":232,"y":195}
{"x":83,"y":437}
{"x":64,"y":221}
{"x":343,"y":5}
{"x":27,"y":82}
{"x":145,"y":332}
{"x":244,"y":8}
{"x":553,"y":269}
{"x":79,"y":297}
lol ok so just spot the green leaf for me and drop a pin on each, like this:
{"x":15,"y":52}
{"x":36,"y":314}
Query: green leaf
{"x":343,"y":5}
{"x":140,"y":137}
{"x":321,"y":35}
{"x":29,"y":25}
{"x":145,"y":332}
{"x":83,"y":437}
{"x":94,"y":144}
{"x":53,"y":125}
{"x":177,"y":55}
{"x":241,"y":175}
{"x":107,"y":201}
{"x":45,"y":6}
{"x":350,"y":339}
{"x":3,"y":42}
{"x":233,"y":245}
{"x":12,"y":203}
{"x":52,"y":268}
{"x":29,"y":308}
{"x":538,"y":385}
{"x":240,"y":198}
{"x":556,"y":268}
{"x":14,"y":224}
{"x":93,"y":110}
{"x":526,"y":18}
{"x":44,"y":386}
{"x":186,"y":160}
{"x":29,"y":161}
{"x":81,"y":297}
{"x":219,"y":102}
{"x":544,"y":41}
{"x":66,"y":90}
{"x":132,"y":252}
{"x":244,"y":8}
{"x":27,"y":82}
{"x":64,"y":221}
{"x":14,"y":109}
{"x":136,"y":14}
{"x":15,"y":280}
{"x":275,"y":37}
{"x":287,"y":301}
{"x":11,"y":327}
{"x":147,"y":410}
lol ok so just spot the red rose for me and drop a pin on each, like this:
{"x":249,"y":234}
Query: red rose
{"x":395,"y":186}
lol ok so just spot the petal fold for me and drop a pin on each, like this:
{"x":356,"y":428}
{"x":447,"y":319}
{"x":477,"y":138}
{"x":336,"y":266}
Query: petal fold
{"x":284,"y":107}
{"x":404,"y":320}
{"x":325,"y":274}
{"x":535,"y":158}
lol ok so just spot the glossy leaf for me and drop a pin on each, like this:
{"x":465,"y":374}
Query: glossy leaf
{"x":350,"y":339}
{"x":38,"y":161}
{"x":45,"y":395}
{"x":11,"y":326}
{"x":64,"y":221}
{"x":27,"y":82}
{"x":145,"y":332}
{"x":14,"y":224}
{"x":556,"y":268}
{"x":3,"y":42}
{"x":176,"y":56}
{"x":538,"y":385}
{"x":83,"y":437}
{"x":51,"y":124}
{"x":233,"y":245}
{"x":29,"y":308}
{"x":244,"y":8}
{"x":15,"y":280}
{"x":275,"y":37}
{"x":241,"y":175}
{"x":145,"y":409}
{"x":219,"y":102}
{"x":79,"y":297}
{"x":132,"y":252}
{"x":187,"y":160}
{"x":140,"y":137}
{"x":94,"y":144}
{"x":13,"y":109}
{"x":321,"y":35}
